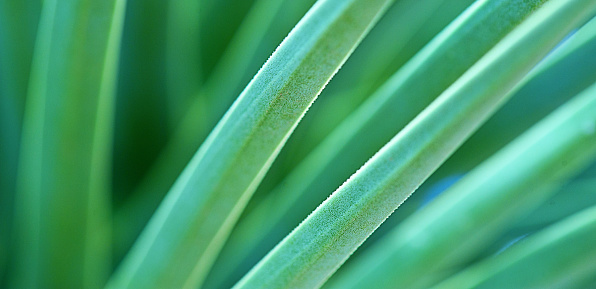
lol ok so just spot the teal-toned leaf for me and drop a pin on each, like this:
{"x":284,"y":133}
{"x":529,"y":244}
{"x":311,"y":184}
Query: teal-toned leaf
{"x":572,"y":198}
{"x":18,"y":25}
{"x":407,"y":92}
{"x":563,"y":74}
{"x":198,"y":111}
{"x":540,"y":93}
{"x":408,"y":17}
{"x":560,"y":256}
{"x":183,"y":238}
{"x":418,"y":22}
{"x":471,"y":213}
{"x":62,"y":211}
{"x":324,"y":240}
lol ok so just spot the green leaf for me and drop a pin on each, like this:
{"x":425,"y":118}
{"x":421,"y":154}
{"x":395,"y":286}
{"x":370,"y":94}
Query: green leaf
{"x":62,"y":221}
{"x":407,"y":16}
{"x":363,"y":74}
{"x":472,"y":212}
{"x":573,"y":197}
{"x":216,"y":94}
{"x":560,"y":256}
{"x":375,"y":60}
{"x":407,"y":92}
{"x":18,"y":23}
{"x":183,"y":238}
{"x":540,"y":93}
{"x":322,"y":242}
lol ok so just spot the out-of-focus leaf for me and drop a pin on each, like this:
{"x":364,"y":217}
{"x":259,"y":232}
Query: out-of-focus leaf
{"x":18,"y":24}
{"x":198,"y":114}
{"x":560,"y":256}
{"x":63,"y":192}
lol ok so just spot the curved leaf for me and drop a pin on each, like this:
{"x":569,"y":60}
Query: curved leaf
{"x":560,"y":256}
{"x":324,"y":240}
{"x":215,"y":93}
{"x":18,"y":23}
{"x":184,"y":236}
{"x":404,"y":95}
{"x":462,"y":220}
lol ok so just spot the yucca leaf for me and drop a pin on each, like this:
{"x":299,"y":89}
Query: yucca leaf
{"x":373,"y":124}
{"x":217,"y":92}
{"x":233,"y":263}
{"x":539,"y":94}
{"x":18,"y":25}
{"x":563,"y":74}
{"x":418,"y":22}
{"x":571,"y":198}
{"x":324,"y":240}
{"x":362,"y":74}
{"x":9,"y":148}
{"x":182,"y":239}
{"x":196,"y":114}
{"x":63,"y":182}
{"x":474,"y":210}
{"x":560,"y":256}
{"x":590,"y":283}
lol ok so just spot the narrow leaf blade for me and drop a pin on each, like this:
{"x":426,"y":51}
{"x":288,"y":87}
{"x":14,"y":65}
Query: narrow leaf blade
{"x":322,"y":242}
{"x":183,"y":238}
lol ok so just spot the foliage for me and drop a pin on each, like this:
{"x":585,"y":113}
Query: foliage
{"x":120,"y":167}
